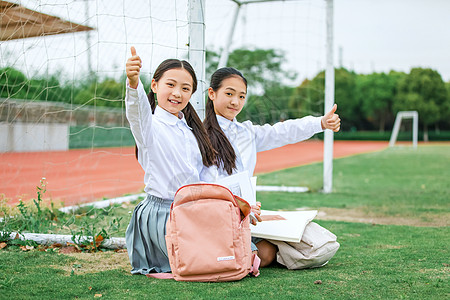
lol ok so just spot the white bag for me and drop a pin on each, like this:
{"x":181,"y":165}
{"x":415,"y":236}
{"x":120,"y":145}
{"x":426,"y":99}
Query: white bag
{"x":317,"y":246}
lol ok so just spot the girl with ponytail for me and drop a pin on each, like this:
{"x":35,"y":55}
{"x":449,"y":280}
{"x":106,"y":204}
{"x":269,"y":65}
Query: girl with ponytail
{"x":237,"y":143}
{"x":173,"y":148}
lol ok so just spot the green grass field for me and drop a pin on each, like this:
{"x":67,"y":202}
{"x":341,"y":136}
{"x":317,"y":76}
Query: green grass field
{"x":377,"y":260}
{"x":399,"y":185}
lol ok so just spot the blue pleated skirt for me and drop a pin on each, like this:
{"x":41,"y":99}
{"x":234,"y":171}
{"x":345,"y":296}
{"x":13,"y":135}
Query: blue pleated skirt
{"x":145,"y":236}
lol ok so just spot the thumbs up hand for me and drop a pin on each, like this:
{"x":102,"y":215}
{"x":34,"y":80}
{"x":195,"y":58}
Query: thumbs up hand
{"x":331,"y":120}
{"x":133,"y":68}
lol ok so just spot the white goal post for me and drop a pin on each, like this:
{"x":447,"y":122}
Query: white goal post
{"x":398,"y":120}
{"x":197,"y":52}
{"x":329,"y":101}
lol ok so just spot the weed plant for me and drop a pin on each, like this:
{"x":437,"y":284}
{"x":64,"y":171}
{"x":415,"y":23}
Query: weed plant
{"x":37,"y":217}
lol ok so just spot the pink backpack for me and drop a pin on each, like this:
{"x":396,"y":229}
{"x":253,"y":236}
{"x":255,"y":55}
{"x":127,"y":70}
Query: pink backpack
{"x":208,"y":235}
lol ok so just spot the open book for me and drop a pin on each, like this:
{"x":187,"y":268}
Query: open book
{"x":285,"y":226}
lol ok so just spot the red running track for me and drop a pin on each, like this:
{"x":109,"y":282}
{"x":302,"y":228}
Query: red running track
{"x":80,"y":176}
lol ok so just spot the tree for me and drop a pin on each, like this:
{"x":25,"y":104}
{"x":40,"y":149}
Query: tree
{"x":268,"y":93}
{"x":376,"y":93}
{"x":271,"y":107}
{"x":259,"y":66}
{"x":49,"y":89}
{"x":308,"y":98}
{"x":445,"y":119}
{"x":106,"y":93}
{"x":13,"y":83}
{"x":422,"y":90}
{"x":349,"y":108}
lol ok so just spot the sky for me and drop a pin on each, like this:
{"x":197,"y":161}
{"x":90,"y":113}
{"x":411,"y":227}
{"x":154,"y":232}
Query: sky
{"x":369,"y":36}
{"x":372,"y":36}
{"x":383,"y":35}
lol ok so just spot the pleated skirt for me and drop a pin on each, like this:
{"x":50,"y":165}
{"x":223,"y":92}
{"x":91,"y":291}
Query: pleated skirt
{"x":145,"y":236}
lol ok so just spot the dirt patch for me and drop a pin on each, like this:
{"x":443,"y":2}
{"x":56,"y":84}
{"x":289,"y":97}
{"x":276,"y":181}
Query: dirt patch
{"x":361,"y":216}
{"x":441,"y":273}
{"x":96,"y":262}
{"x":390,"y":246}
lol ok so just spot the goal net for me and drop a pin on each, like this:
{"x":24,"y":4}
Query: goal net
{"x":61,"y":92}
{"x":294,"y":30}
{"x":402,"y":115}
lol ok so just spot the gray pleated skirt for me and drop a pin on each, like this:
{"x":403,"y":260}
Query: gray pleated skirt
{"x":145,"y":236}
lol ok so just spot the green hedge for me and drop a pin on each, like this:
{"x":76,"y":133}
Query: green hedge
{"x":385,"y":136}
{"x":98,"y":137}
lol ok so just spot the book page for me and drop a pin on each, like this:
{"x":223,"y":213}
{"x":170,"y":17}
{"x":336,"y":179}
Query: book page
{"x":253,"y":183}
{"x":285,"y":226}
{"x":240,"y":185}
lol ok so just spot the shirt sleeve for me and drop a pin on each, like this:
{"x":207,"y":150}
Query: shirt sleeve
{"x":209,"y":174}
{"x":288,"y":132}
{"x":139,"y":114}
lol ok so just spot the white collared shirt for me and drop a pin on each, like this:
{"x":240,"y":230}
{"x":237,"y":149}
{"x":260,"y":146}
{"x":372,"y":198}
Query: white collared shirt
{"x":168,"y":149}
{"x":248,"y":139}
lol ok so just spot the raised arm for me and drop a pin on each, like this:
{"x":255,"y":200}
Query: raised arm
{"x":138,"y":110}
{"x":288,"y":132}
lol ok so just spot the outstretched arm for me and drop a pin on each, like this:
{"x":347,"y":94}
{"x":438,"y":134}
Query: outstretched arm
{"x":282,"y":133}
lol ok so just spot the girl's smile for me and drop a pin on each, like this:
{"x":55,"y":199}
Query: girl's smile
{"x":229,"y":98}
{"x":173,"y":90}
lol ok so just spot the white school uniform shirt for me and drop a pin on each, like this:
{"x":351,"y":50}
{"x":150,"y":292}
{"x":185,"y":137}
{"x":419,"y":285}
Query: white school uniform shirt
{"x":168,"y":150}
{"x":248,"y":139}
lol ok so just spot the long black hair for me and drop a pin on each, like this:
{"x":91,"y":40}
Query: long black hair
{"x":225,"y":157}
{"x":192,"y":119}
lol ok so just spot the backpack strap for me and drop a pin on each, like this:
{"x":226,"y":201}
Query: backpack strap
{"x":256,"y":261}
{"x":160,"y":275}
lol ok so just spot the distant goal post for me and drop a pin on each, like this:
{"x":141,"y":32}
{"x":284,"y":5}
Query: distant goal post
{"x":414,"y":115}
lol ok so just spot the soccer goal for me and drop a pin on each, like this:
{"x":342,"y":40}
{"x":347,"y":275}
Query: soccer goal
{"x":62,"y":79}
{"x":402,"y":115}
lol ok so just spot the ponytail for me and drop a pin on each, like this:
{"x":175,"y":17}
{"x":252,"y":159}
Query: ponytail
{"x":225,"y":157}
{"x":152,"y":101}
{"x":204,"y":144}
